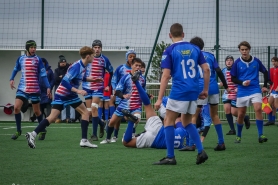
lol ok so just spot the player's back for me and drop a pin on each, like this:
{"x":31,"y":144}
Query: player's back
{"x":213,"y":86}
{"x":183,"y":58}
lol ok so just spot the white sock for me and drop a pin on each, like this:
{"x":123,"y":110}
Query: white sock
{"x":84,"y":140}
{"x":34,"y":134}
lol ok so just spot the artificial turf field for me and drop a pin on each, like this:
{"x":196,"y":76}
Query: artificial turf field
{"x":59,"y":160}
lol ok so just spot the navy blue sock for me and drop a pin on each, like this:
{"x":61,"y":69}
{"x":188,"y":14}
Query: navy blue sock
{"x":42,"y":125}
{"x":191,"y":142}
{"x":128,"y":132}
{"x":109,"y":132}
{"x":230,"y":121}
{"x":100,"y":111}
{"x":134,"y":130}
{"x":260,"y":127}
{"x":39,"y":118}
{"x":219,"y":132}
{"x":269,"y":116}
{"x":273,"y":118}
{"x":169,"y":132}
{"x":116,"y":132}
{"x":239,"y":129}
{"x":142,"y":93}
{"x":193,"y":133}
{"x":95,"y":125}
{"x":84,"y":128}
{"x":100,"y":122}
{"x":18,"y":121}
{"x":106,"y":114}
{"x":179,"y":124}
{"x":111,"y":110}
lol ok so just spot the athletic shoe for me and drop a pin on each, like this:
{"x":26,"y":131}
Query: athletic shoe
{"x":16,"y":135}
{"x":166,"y":161}
{"x":30,"y":140}
{"x":136,"y":76}
{"x":187,"y":148}
{"x":202,"y":157}
{"x":269,"y":123}
{"x":262,"y":139}
{"x":247,"y":122}
{"x":128,"y":114}
{"x":93,"y":138}
{"x":42,"y":135}
{"x":101,"y":130}
{"x":105,"y":141}
{"x":231,"y":132}
{"x":237,"y":140}
{"x":220,"y":147}
{"x":114,"y":139}
{"x":87,"y":144}
{"x":58,"y":121}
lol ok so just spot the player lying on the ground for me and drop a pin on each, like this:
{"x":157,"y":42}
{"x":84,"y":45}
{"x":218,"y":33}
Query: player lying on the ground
{"x":153,"y":136}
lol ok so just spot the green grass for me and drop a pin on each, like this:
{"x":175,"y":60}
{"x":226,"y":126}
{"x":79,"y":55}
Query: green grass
{"x":60,"y":160}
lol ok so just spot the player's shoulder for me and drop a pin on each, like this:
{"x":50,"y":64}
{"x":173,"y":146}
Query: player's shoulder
{"x":224,"y":69}
{"x":237,"y":60}
{"x":104,"y":57}
{"x":208,"y":53}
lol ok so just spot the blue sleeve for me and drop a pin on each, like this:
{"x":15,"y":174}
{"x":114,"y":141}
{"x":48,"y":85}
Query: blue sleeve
{"x":120,"y":86}
{"x":45,"y":81}
{"x":16,"y":69}
{"x":201,"y":59}
{"x":261,"y":66}
{"x":72,"y":73}
{"x":41,"y":68}
{"x":84,"y":78}
{"x":115,"y":79}
{"x":166,"y":60}
{"x":108,"y":65}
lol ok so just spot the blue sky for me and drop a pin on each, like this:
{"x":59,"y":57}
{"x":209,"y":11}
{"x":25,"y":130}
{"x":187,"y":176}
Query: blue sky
{"x":71,"y":23}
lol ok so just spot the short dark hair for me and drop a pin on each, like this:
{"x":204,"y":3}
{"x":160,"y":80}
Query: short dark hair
{"x":244,"y":43}
{"x":84,"y":51}
{"x":176,"y":30}
{"x":275,"y":58}
{"x":198,"y":41}
{"x":136,"y":60}
{"x":143,"y":65}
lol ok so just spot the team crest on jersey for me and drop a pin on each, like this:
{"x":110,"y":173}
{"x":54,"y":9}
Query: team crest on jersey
{"x":163,"y":57}
{"x":185,"y":52}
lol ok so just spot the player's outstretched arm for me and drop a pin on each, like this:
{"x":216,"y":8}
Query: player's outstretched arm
{"x":166,"y":76}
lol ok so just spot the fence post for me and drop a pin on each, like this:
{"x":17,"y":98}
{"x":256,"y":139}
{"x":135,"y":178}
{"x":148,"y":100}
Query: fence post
{"x":157,"y":35}
{"x":268,"y":57}
{"x":42,"y":26}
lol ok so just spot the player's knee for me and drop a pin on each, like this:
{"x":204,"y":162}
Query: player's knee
{"x":94,"y":106}
{"x":138,"y":117}
{"x":89,"y":109}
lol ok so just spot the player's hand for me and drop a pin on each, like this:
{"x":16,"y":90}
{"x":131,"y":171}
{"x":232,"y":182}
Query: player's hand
{"x":150,"y":96}
{"x":264,"y":89}
{"x":61,"y":76}
{"x":126,"y":96}
{"x":203,"y":95}
{"x":246,"y":83}
{"x":12,"y":84}
{"x":81,"y":92}
{"x":49,"y":95}
{"x":106,"y":89}
{"x":228,"y":90}
{"x":157,"y":104}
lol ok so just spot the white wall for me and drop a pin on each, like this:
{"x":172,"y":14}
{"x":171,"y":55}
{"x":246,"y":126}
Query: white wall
{"x":9,"y":57}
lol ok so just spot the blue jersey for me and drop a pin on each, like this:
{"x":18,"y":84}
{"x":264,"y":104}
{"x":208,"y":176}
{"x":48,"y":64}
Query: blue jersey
{"x":248,"y":71}
{"x":31,"y":68}
{"x":73,"y":78}
{"x":97,"y":69}
{"x":183,"y":58}
{"x":181,"y":137}
{"x":127,"y":86}
{"x":119,"y":73}
{"x":213,"y":86}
